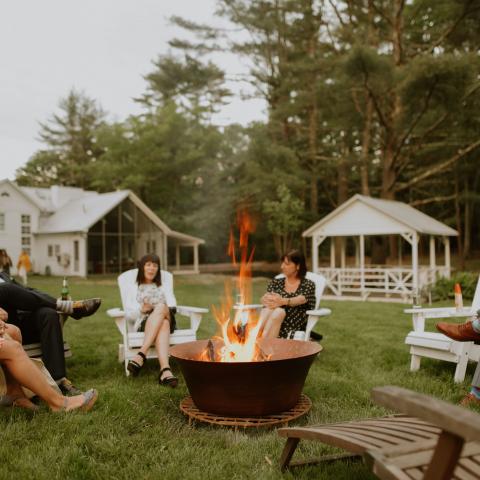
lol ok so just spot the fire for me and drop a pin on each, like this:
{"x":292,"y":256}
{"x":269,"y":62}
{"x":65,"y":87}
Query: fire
{"x":238,"y":341}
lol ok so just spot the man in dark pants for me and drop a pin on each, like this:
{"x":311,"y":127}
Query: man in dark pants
{"x":37,"y":315}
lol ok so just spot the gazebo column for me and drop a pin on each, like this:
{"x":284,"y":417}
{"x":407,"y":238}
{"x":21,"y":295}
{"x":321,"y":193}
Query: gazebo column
{"x":177,"y":257}
{"x":446,"y":242}
{"x":343,"y":253}
{"x":332,"y":252}
{"x":362,"y":265}
{"x":316,"y":241}
{"x":433,"y":266}
{"x":415,"y":262}
{"x":195,"y":259}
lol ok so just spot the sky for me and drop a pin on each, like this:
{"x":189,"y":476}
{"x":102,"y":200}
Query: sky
{"x":100,"y":47}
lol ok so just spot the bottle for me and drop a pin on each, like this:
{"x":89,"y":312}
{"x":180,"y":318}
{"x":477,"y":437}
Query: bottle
{"x":65,"y":293}
{"x":458,"y":297}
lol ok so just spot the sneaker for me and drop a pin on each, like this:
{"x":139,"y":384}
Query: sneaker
{"x":68,"y":388}
{"x":85,"y":308}
{"x":470,"y":399}
{"x":462,"y":332}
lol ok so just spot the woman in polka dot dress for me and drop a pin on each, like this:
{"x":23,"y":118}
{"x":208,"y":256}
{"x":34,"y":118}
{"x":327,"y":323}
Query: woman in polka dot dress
{"x":288,"y":299}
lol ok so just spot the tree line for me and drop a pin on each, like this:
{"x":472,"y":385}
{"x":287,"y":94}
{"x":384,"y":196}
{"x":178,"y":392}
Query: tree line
{"x":379,"y":97}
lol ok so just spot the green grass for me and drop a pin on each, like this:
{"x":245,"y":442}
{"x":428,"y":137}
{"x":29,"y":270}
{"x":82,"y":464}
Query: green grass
{"x":136,"y":430}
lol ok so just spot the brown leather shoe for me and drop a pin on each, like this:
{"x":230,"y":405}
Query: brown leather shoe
{"x":85,"y":308}
{"x":470,"y":399}
{"x":462,"y":332}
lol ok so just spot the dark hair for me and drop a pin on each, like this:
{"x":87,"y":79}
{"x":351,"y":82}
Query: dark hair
{"x":298,"y":258}
{"x":149,"y":257}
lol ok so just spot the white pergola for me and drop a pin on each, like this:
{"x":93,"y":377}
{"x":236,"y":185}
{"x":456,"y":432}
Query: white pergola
{"x":362,"y":216}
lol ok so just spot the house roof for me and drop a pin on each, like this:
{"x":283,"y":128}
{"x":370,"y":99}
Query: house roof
{"x":372,"y":216}
{"x":81,"y":214}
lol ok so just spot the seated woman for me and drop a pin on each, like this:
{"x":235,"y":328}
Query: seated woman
{"x":20,"y":371}
{"x":152,"y":316}
{"x":288,"y":299}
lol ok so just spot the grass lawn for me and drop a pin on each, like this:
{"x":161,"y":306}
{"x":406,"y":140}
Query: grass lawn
{"x":136,"y":430}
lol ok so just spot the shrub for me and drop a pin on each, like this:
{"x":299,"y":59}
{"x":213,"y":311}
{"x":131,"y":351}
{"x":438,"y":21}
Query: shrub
{"x":442,"y":289}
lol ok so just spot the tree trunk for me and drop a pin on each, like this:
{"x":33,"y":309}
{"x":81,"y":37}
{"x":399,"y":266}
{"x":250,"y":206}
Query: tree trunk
{"x":458,"y":220}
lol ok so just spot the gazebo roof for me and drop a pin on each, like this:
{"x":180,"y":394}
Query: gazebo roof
{"x":363,"y":215}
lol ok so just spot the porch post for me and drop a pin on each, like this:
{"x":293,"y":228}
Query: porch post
{"x":343,"y":252}
{"x":177,"y":257}
{"x":415,"y":262}
{"x":104,"y":248}
{"x":362,"y":264}
{"x":195,"y":258}
{"x":433,"y":266}
{"x":314,"y":254}
{"x":332,"y":252}
{"x":446,"y":241}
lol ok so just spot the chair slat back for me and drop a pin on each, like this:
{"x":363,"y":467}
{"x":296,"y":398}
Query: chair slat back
{"x":318,"y":280}
{"x":476,"y":297}
{"x":128,"y":287}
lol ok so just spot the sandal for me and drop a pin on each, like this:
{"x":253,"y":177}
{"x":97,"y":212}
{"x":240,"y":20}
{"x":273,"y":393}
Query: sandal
{"x":171,"y":381}
{"x":134,"y":367}
{"x":89,"y":399}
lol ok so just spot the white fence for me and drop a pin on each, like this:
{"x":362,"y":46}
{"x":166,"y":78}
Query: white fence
{"x":396,"y":282}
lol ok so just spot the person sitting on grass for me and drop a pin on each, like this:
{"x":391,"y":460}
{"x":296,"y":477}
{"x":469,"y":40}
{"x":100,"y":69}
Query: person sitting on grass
{"x":466,"y":332}
{"x":151,"y":314}
{"x":20,"y":371}
{"x":288,"y":299}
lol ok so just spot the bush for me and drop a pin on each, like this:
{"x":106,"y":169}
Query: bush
{"x":443,"y":288}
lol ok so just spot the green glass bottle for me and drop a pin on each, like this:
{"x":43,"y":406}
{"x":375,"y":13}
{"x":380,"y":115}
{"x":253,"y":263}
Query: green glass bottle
{"x":65,"y":293}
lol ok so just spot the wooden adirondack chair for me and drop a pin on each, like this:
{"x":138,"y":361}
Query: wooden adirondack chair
{"x":427,"y":439}
{"x":436,"y":345}
{"x":315,"y":314}
{"x":454,"y":454}
{"x":132,"y":341}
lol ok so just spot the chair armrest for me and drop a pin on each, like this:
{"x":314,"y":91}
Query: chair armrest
{"x":115,"y":312}
{"x":448,"y":417}
{"x":321,"y":312}
{"x":195,"y":314}
{"x":441,"y":312}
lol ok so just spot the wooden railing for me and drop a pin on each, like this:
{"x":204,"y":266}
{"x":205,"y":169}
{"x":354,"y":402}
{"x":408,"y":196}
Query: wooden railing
{"x":396,"y":281}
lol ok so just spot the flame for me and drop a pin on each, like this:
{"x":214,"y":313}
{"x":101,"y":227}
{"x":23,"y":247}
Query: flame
{"x":238,"y":338}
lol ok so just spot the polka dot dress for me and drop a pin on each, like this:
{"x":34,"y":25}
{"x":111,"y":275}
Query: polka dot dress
{"x":296,"y":317}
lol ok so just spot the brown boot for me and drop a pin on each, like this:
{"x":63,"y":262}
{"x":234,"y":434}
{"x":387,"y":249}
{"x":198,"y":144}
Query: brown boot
{"x":470,"y":399}
{"x":463,"y":332}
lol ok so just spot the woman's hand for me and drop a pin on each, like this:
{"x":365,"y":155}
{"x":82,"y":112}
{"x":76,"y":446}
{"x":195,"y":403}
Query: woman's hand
{"x":146,"y":308}
{"x":273,"y":300}
{"x":3,"y":315}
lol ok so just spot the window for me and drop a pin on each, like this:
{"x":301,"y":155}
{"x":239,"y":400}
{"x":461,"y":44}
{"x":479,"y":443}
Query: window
{"x":25,"y":229}
{"x":57,"y":249}
{"x":25,"y":241}
{"x":2,"y":221}
{"x":50,"y":250}
{"x":25,"y":219}
{"x":76,"y":255}
{"x":154,"y":246}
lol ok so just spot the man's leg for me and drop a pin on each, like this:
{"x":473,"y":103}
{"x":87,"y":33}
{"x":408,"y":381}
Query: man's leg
{"x":16,"y":297}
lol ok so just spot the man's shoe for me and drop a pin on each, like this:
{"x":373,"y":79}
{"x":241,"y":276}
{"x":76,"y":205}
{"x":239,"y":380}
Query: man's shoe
{"x":470,"y":399}
{"x":463,"y":332}
{"x":315,"y":336}
{"x":85,"y":308}
{"x":68,"y":388}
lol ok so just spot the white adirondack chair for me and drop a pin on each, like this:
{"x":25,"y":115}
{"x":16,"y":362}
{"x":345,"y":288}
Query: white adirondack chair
{"x":438,"y":346}
{"x":132,"y":341}
{"x":315,"y":314}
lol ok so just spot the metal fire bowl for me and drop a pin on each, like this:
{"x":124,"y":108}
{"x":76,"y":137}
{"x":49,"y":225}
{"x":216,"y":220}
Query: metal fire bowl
{"x":247,"y":388}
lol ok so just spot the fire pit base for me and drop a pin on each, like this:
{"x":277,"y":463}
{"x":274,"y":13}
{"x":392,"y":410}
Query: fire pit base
{"x":193,"y":413}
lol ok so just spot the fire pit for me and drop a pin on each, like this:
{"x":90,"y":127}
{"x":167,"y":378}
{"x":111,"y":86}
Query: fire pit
{"x":252,"y":388}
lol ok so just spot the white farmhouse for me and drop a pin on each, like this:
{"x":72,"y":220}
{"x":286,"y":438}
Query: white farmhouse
{"x":74,"y":232}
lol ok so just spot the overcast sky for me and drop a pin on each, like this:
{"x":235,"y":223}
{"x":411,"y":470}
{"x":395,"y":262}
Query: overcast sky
{"x":102,"y":47}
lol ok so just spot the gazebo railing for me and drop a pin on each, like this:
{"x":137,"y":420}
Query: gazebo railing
{"x":395,"y":281}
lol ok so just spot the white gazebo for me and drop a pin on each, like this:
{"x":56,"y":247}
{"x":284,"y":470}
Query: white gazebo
{"x":363,"y":216}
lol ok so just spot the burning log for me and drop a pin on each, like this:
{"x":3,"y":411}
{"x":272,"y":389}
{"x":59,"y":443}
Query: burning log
{"x":211,"y":351}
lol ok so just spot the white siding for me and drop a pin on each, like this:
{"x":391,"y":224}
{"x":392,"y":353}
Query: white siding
{"x":14,"y":204}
